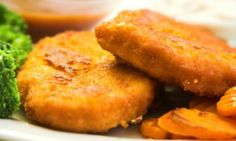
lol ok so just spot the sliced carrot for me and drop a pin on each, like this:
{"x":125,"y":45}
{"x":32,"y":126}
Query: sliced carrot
{"x":203,"y":103}
{"x":226,"y":106}
{"x":150,"y":129}
{"x":198,"y":124}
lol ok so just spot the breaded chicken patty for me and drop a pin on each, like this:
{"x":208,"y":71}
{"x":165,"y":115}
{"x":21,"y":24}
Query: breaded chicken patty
{"x":173,"y":52}
{"x":70,"y":83}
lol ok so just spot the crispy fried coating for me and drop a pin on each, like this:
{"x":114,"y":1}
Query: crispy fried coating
{"x":70,"y":83}
{"x":173,"y":52}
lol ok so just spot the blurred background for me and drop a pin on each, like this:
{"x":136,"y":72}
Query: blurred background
{"x":48,"y":17}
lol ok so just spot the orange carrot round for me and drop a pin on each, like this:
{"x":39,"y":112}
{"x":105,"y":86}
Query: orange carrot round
{"x":198,"y":124}
{"x":226,"y":106}
{"x":150,"y":129}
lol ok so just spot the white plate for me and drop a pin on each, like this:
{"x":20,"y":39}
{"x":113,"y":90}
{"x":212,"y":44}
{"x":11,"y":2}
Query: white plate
{"x":21,"y":129}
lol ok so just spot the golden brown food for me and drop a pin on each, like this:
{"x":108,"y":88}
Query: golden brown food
{"x":70,"y":83}
{"x":198,"y":124}
{"x":226,"y":106}
{"x":173,"y":52}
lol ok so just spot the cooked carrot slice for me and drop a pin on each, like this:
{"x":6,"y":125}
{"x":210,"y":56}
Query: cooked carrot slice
{"x":226,"y":106}
{"x":203,"y":103}
{"x":198,"y":124}
{"x":150,"y":129}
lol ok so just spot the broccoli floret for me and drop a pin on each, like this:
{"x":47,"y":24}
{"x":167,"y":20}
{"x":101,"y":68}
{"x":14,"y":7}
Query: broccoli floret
{"x":14,"y":20}
{"x":12,"y":55}
{"x":21,"y":44}
{"x":12,"y":28}
{"x":9,"y":95}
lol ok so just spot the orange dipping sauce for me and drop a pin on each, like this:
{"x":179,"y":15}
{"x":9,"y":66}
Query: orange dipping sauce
{"x":44,"y":24}
{"x":49,"y":17}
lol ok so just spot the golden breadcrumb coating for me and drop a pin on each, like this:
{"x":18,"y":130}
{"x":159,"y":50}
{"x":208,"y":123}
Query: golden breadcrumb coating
{"x":173,"y":52}
{"x":70,"y":83}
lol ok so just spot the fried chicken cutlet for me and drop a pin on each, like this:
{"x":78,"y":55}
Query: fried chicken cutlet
{"x":171,"y":51}
{"x":70,"y":83}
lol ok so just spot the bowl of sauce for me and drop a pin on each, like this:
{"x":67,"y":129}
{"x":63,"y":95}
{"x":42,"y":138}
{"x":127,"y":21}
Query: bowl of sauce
{"x":48,"y":17}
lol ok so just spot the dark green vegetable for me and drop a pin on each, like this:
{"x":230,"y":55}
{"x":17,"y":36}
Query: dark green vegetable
{"x":9,"y":95}
{"x":14,"y":48}
{"x":10,"y":18}
{"x":20,"y":43}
